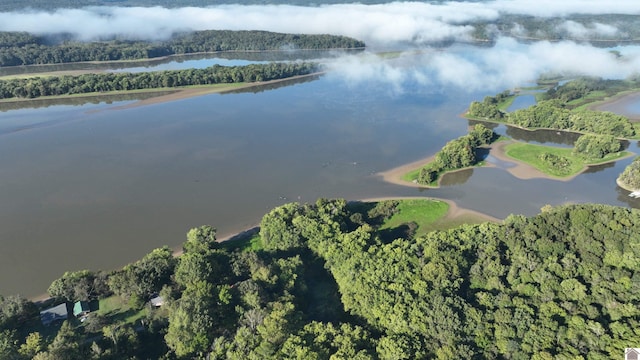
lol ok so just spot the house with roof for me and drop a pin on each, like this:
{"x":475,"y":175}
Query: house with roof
{"x":632,"y":354}
{"x":81,"y":309}
{"x":157,"y":301}
{"x":53,"y":314}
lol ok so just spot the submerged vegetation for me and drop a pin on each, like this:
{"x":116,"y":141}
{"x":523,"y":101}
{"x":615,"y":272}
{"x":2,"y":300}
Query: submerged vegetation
{"x":333,"y":279}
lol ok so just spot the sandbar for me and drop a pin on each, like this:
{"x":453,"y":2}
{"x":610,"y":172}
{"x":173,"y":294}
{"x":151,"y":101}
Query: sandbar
{"x":516,"y":168}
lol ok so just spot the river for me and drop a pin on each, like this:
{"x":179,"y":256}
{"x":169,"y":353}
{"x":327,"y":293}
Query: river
{"x":96,"y":186}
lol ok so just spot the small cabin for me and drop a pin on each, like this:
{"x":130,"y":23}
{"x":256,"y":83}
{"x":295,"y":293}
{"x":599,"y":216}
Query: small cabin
{"x":56,"y":313}
{"x":157,"y":301}
{"x":81,"y":309}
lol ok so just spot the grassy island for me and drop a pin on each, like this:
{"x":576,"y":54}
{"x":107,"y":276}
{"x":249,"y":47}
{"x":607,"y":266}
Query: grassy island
{"x":554,"y":161}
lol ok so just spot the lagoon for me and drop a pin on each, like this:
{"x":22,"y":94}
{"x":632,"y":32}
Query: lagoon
{"x":96,"y":186}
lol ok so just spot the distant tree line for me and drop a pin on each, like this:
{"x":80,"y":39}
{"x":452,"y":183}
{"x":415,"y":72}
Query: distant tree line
{"x":103,"y":82}
{"x":456,"y":154}
{"x":19,"y":48}
{"x":558,"y":109}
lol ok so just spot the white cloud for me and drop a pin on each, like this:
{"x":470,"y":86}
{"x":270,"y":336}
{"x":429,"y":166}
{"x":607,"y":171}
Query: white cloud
{"x":383,"y":23}
{"x":507,"y":64}
{"x":594,"y":30}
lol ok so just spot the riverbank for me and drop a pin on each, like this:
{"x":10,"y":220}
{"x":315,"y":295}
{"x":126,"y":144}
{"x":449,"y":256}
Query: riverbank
{"x":143,"y":97}
{"x":455,"y":216}
{"x":619,"y":104}
{"x":189,"y":92}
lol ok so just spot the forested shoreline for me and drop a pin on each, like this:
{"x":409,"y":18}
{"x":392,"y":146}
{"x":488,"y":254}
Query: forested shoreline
{"x":35,"y":87}
{"x":325,"y":279}
{"x":21,"y":48}
{"x":562,"y":108}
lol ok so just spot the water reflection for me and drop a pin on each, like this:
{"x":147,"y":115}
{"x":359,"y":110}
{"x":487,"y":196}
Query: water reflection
{"x":558,"y":138}
{"x":522,"y":102}
{"x":177,"y":62}
{"x":80,"y":100}
{"x":597,"y":168}
{"x":274,"y":85}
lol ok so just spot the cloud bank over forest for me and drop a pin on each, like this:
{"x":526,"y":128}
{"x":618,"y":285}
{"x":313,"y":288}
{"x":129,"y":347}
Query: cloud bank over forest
{"x":391,"y":22}
{"x":506,"y":64}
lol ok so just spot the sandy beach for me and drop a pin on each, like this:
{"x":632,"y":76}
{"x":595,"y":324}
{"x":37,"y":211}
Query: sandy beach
{"x":516,"y":168}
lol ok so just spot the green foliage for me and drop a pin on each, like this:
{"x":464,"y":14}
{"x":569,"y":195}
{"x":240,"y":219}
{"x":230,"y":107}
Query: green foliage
{"x":602,"y":122}
{"x":554,"y":161}
{"x":562,"y":284}
{"x":15,"y":310}
{"x":34,"y":87}
{"x":489,"y":108}
{"x":191,"y":321}
{"x":9,"y":346}
{"x":559,"y":164}
{"x":630,"y":177}
{"x":456,"y":154}
{"x":19,"y":48}
{"x":554,"y":111}
{"x":32,"y":345}
{"x":74,"y":286}
{"x":550,"y":114}
{"x":144,"y":277}
{"x":596,"y":147}
{"x":200,"y":239}
{"x":421,"y":212}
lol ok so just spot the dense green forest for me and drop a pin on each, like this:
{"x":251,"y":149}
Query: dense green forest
{"x":561,"y":108}
{"x":19,"y":48}
{"x":324,"y":281}
{"x":35,"y":87}
{"x":630,"y":177}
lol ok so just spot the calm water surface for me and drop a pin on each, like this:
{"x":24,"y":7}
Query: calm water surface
{"x":94,"y":187}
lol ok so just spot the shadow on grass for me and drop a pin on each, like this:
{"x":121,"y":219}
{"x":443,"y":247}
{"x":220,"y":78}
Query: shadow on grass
{"x":404,"y":231}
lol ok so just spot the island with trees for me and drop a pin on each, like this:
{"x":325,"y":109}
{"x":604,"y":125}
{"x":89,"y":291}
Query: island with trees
{"x":457,"y":154}
{"x":20,"y":48}
{"x":565,"y":108}
{"x":332,"y":280}
{"x":629,"y":179}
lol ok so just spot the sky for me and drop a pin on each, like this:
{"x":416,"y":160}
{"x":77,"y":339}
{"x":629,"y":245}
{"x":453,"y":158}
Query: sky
{"x":506,"y":64}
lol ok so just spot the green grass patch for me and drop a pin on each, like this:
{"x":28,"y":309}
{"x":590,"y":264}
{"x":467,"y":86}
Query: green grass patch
{"x":504,"y":105}
{"x":412,"y":175}
{"x":116,"y":309}
{"x":244,"y":243}
{"x":531,"y":154}
{"x":425,"y":213}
